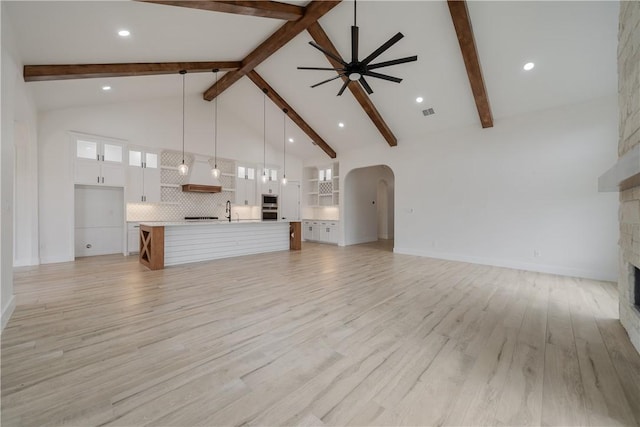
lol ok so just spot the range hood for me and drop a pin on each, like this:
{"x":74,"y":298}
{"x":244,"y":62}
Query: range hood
{"x":200,"y":179}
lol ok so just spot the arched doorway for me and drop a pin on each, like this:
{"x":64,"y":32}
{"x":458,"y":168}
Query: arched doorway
{"x":369,"y":205}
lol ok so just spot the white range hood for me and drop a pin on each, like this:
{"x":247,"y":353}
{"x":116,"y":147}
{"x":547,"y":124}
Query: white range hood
{"x":200,"y":179}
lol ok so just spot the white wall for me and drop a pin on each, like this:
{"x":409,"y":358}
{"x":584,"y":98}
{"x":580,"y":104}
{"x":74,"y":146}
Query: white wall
{"x":360,"y":203}
{"x":495,"y":196}
{"x":17,"y":107}
{"x":153,"y":123}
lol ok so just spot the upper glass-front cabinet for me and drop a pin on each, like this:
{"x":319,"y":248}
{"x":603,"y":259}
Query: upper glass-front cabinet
{"x":99,"y":151}
{"x":144,"y":159}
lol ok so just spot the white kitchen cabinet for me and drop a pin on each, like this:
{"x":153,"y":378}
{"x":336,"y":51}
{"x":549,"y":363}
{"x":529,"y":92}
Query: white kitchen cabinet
{"x":133,"y":237}
{"x":99,"y":163}
{"x":320,"y":231}
{"x":143,"y":176}
{"x":307,"y":230}
{"x":272,"y":185}
{"x":246,"y":185}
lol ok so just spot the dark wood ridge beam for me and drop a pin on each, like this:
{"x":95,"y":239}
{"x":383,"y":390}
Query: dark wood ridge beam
{"x":462,"y":23}
{"x":282,"y":104}
{"x":314,"y":11}
{"x":264,"y":9}
{"x":38,"y":73}
{"x":321,"y":38}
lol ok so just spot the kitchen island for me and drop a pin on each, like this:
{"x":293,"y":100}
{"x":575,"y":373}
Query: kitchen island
{"x":180,"y":242}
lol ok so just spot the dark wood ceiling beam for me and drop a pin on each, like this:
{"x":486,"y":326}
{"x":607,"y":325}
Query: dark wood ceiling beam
{"x":462,"y":23}
{"x":36,"y":73}
{"x":264,"y":9}
{"x":321,"y":38}
{"x":282,"y":36}
{"x":295,"y":117}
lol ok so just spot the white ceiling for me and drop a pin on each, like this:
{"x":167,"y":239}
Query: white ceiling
{"x":572,"y":43}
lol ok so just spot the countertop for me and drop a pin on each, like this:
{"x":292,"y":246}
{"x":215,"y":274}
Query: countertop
{"x":209,"y":222}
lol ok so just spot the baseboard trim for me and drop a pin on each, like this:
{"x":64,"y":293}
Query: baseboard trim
{"x":539,"y":268}
{"x":55,"y":259}
{"x":7,"y":312}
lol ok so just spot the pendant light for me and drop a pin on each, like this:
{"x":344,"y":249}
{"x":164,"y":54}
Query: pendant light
{"x":215,"y":171}
{"x":183,"y":169}
{"x":264,"y":136}
{"x":284,"y":146}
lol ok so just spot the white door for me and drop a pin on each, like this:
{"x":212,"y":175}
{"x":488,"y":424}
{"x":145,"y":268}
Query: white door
{"x":290,"y":201}
{"x":99,"y":220}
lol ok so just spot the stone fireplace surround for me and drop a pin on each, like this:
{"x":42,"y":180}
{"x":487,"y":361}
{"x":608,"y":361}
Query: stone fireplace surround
{"x":624,"y":176}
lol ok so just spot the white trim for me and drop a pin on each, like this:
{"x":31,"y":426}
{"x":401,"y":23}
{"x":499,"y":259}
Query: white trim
{"x":26,"y":262}
{"x":7,"y":312}
{"x":55,"y":259}
{"x":540,"y":268}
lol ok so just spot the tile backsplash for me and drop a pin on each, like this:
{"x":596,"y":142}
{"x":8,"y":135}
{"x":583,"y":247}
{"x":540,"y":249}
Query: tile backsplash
{"x":177,"y":204}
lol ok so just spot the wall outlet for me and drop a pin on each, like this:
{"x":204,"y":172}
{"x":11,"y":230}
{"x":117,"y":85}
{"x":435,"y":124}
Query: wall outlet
{"x":536,"y":253}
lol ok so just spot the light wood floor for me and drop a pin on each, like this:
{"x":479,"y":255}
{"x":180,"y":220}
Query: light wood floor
{"x":326,"y":336}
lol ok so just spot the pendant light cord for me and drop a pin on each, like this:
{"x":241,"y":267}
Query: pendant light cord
{"x":183,"y":72}
{"x":284,"y":145}
{"x":215,"y":123}
{"x":264,"y":132}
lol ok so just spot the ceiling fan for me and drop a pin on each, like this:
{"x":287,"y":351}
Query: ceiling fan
{"x":356,"y":70}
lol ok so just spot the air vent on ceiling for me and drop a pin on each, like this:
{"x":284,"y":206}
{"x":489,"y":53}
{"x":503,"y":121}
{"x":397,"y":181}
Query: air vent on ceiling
{"x":428,"y":112}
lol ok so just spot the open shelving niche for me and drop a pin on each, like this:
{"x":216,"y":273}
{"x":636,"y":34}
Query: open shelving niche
{"x":321,"y":192}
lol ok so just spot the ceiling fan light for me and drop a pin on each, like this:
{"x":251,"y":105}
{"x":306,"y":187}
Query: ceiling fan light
{"x":354,"y":76}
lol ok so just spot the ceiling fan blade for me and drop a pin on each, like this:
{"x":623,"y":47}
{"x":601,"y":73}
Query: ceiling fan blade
{"x":328,"y":80}
{"x":354,"y":43}
{"x":393,"y":40}
{"x":365,"y":85}
{"x":392,"y":62}
{"x":320,"y":68}
{"x":344,"y":86}
{"x":383,"y":76}
{"x":326,"y":52}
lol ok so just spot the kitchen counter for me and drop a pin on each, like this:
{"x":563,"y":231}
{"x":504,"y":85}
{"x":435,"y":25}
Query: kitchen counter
{"x":180,"y":242}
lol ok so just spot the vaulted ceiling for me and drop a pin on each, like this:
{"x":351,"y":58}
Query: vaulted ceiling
{"x":572,"y":43}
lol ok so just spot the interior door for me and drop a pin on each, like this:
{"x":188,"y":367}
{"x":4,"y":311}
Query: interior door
{"x":290,"y":201}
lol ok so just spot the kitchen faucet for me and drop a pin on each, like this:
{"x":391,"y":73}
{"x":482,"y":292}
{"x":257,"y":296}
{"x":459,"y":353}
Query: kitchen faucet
{"x":228,"y":210}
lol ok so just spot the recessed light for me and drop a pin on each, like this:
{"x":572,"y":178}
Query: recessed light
{"x":290,"y":139}
{"x":341,"y":124}
{"x":106,"y":88}
{"x":419,"y":99}
{"x":529,"y":66}
{"x":124,"y":33}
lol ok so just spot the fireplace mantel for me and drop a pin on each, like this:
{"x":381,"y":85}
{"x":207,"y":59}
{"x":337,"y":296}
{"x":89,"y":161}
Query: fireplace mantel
{"x":624,"y":174}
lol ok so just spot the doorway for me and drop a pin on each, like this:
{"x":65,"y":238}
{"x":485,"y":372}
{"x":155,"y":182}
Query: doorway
{"x":369,"y":206}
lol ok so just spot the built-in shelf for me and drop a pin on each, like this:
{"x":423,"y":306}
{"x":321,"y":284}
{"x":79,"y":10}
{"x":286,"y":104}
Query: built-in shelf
{"x":169,"y":185}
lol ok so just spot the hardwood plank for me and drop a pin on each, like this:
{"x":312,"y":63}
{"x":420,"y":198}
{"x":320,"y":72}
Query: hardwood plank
{"x":265,"y":9}
{"x":40,"y":73}
{"x":321,"y":38}
{"x":464,"y":30}
{"x":326,"y":335}
{"x":313,"y":11}
{"x":291,"y":113}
